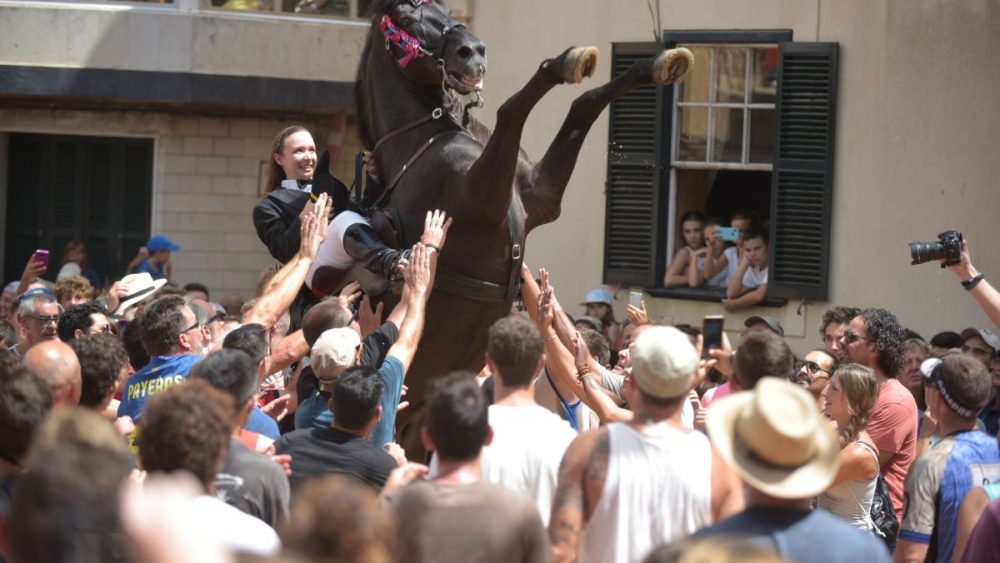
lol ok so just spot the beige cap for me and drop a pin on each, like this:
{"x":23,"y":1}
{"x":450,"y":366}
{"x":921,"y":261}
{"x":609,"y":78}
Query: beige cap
{"x":663,"y":362}
{"x":334,"y":352}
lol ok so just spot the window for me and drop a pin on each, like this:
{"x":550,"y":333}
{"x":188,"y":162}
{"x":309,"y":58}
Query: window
{"x":63,"y":187}
{"x":726,"y":108}
{"x":354,"y":9}
{"x":750,"y":129}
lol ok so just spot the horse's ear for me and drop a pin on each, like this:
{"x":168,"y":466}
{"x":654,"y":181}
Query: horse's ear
{"x":324,"y":162}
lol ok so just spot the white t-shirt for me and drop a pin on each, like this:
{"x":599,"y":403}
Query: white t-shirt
{"x":754,"y":277}
{"x":528,"y":445}
{"x":720,"y":279}
{"x":238,"y":531}
{"x":732,"y":263}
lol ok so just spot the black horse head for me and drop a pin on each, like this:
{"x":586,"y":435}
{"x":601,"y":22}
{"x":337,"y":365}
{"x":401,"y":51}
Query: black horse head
{"x":445,"y":46}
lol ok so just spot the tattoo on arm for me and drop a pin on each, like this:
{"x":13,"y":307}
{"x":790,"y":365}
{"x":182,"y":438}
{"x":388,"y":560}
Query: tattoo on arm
{"x":597,"y":471}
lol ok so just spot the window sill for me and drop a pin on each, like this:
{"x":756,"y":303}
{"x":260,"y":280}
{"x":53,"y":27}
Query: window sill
{"x":708,"y":295}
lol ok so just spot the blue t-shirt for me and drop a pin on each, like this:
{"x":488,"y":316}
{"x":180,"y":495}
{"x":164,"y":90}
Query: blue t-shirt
{"x":805,"y":536}
{"x":160,"y":374}
{"x":262,"y":424}
{"x":158,"y":273}
{"x":937,"y":484}
{"x":314,"y":411}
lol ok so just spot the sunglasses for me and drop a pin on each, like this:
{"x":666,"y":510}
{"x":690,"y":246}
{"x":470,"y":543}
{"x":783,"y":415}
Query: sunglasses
{"x":812,"y":367}
{"x":44,"y":320}
{"x":850,"y":338}
{"x":97,"y":329}
{"x":809,"y":371}
{"x":192,"y":327}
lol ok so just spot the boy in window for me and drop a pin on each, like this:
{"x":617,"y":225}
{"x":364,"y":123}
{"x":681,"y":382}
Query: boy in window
{"x":748,"y":286}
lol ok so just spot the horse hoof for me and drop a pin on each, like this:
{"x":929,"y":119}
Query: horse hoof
{"x":672,"y":66}
{"x":580,"y":63}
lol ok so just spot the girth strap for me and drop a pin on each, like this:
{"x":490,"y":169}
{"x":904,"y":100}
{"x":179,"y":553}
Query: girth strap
{"x":516,"y":252}
{"x":458,"y":284}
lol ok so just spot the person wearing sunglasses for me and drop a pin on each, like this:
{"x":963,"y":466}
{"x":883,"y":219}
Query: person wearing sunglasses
{"x":981,"y":344}
{"x":81,"y":320}
{"x":171,"y":334}
{"x":814,"y":371}
{"x":874,"y":339}
{"x":38,"y":312}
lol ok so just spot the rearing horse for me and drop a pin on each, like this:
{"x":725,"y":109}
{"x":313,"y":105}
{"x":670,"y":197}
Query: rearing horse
{"x":432,"y":155}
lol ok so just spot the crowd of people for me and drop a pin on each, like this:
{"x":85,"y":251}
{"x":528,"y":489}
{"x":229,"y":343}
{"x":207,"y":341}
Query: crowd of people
{"x":146,"y":422}
{"x":733,"y":259}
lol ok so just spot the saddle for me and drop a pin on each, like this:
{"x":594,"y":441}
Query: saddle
{"x":329,"y":280}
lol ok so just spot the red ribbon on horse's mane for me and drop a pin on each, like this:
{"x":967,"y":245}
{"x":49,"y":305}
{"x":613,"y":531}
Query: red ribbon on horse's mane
{"x":400,"y":38}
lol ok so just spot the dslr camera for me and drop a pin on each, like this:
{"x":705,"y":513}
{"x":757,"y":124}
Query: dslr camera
{"x":948,"y":247}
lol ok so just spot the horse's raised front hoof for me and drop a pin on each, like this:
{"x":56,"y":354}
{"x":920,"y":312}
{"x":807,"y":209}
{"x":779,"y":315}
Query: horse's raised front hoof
{"x":672,"y":66}
{"x":580,"y":63}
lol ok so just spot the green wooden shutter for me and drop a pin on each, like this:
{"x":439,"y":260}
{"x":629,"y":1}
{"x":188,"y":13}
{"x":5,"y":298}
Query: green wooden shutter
{"x":634,"y":225}
{"x":802,"y":180}
{"x":134,"y":201}
{"x":62,"y":187}
{"x":26,"y":173}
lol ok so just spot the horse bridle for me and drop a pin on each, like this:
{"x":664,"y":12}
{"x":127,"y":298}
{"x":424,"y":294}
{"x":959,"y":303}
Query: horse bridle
{"x":413,"y":46}
{"x":447,"y":280}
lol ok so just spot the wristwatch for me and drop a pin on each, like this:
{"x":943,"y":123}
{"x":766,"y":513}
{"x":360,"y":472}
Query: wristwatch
{"x":971,"y":283}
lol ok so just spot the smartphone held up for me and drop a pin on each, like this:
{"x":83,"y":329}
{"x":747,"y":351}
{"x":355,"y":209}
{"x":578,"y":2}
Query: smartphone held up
{"x":711,"y":332}
{"x":41,"y":259}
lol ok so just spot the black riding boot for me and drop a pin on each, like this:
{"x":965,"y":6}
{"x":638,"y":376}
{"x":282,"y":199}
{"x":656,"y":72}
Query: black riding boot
{"x":364,"y":245}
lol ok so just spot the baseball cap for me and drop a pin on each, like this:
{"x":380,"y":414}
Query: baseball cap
{"x":160,"y":242}
{"x":770,"y":321}
{"x":36,"y":291}
{"x":991,"y":340}
{"x":598,"y":295}
{"x":663,"y":362}
{"x":334,"y":352}
{"x":942,"y":374}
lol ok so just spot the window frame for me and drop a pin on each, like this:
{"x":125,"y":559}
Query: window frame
{"x":801,"y":172}
{"x":672,"y":39}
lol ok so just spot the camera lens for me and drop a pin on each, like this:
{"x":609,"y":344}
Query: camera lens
{"x":922,"y":252}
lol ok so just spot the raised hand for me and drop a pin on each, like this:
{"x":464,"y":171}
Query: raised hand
{"x":638,"y":316}
{"x":436,"y":225}
{"x":314,"y":226}
{"x":349,"y":294}
{"x":369,"y":320}
{"x":417,"y":273}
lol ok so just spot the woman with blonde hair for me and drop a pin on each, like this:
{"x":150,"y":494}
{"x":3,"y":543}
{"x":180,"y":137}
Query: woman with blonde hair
{"x":848,"y":400}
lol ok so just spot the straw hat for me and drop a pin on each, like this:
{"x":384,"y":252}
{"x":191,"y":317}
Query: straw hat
{"x":140,"y":287}
{"x":776,"y":439}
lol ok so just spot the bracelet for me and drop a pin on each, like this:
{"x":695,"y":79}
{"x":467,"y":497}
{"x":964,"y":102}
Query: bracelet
{"x":971,"y":283}
{"x":583,"y":373}
{"x":434,"y":246}
{"x":551,"y":337}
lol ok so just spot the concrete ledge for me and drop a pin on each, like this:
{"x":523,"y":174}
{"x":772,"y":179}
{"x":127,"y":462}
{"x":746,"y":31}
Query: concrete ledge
{"x":107,"y":89}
